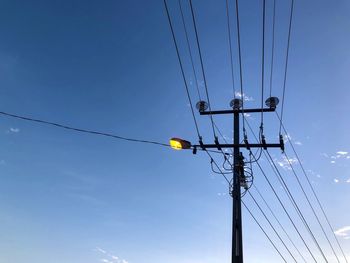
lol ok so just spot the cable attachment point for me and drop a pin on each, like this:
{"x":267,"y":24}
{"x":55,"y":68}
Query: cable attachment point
{"x":194,"y":151}
{"x":282,"y":142}
{"x":244,"y":131}
{"x":201,"y":143}
{"x":202,"y":106}
{"x":261,"y":129}
{"x":217,"y":143}
{"x":263,"y":141}
{"x":246,"y":142}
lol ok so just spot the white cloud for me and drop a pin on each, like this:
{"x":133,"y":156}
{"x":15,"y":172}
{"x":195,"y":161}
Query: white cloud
{"x":348,"y":181}
{"x":342,"y":153}
{"x":101,"y":250}
{"x":14,"y":130}
{"x":298,"y":143}
{"x":332,"y":161}
{"x":112,"y":258}
{"x":336,"y":180}
{"x":343,"y":232}
{"x":287,"y":138}
{"x":286,"y":163}
{"x":246,"y":98}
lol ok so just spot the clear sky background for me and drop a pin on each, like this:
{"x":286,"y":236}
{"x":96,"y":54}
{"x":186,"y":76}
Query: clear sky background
{"x":111,"y":66}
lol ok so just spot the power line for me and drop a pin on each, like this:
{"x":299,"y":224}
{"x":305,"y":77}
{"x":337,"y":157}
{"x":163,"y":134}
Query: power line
{"x":273,"y":44}
{"x":278,"y":221}
{"x":278,"y":198}
{"x":230,"y":47}
{"x":263,"y":66}
{"x":202,"y":65}
{"x":286,"y":65}
{"x":222,"y":136}
{"x":313,"y":190}
{"x":285,"y":186}
{"x":291,"y":198}
{"x":181,"y":66}
{"x":273,"y":228}
{"x":285,"y":210}
{"x":217,"y":166}
{"x":240,"y":60}
{"x":189,"y":49}
{"x":311,"y":206}
{"x":92,"y":132}
{"x":262,"y":229}
{"x":80,"y":130}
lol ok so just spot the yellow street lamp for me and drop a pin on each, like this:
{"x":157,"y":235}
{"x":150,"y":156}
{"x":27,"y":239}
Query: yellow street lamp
{"x":179,"y":144}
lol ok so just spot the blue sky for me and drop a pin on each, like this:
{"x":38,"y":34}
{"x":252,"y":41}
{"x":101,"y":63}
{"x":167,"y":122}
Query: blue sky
{"x":111,"y":66}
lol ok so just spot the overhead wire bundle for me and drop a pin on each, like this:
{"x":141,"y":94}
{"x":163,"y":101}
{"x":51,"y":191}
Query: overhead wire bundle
{"x":254,"y":160}
{"x":253,"y":166}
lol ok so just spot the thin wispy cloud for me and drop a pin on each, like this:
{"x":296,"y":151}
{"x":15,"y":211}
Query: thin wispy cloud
{"x":343,"y":232}
{"x":13,"y":130}
{"x":244,"y":96}
{"x":101,"y":250}
{"x":109,"y":258}
{"x":325,"y":155}
{"x":339,"y":155}
{"x":286,"y":163}
{"x":342,"y":153}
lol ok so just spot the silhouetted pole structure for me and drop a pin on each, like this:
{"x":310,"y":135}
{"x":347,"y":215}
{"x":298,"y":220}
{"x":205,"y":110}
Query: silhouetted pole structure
{"x":238,"y":163}
{"x":237,"y":243}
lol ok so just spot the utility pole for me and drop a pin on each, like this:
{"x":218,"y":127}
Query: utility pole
{"x":238,"y":162}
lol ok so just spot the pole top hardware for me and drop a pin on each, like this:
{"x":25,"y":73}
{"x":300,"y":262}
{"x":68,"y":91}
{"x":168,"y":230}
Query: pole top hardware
{"x":263,"y":142}
{"x":236,"y":104}
{"x":272,"y":102}
{"x":282,"y":142}
{"x":217,"y":143}
{"x":202,"y":105}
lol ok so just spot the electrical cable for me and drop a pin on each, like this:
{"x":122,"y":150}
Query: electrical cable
{"x":286,"y":212}
{"x":313,"y":190}
{"x":202,"y":65}
{"x":275,"y":193}
{"x":273,"y":228}
{"x":284,"y":185}
{"x":279,"y":223}
{"x":230,"y":48}
{"x":311,"y":206}
{"x":222,"y":136}
{"x":262,"y":229}
{"x":263,"y":67}
{"x":217,"y":166}
{"x":273,"y":44}
{"x":80,"y":130}
{"x":181,"y":66}
{"x":240,"y":60}
{"x":189,"y":49}
{"x":286,"y":64}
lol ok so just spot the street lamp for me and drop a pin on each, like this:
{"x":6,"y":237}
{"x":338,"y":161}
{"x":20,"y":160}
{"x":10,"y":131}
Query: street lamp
{"x":179,"y":144}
